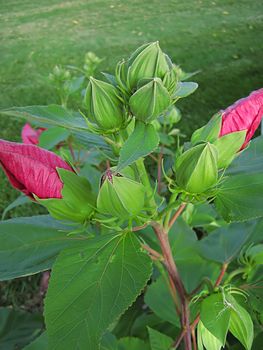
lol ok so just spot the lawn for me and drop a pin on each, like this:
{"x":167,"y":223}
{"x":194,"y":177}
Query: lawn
{"x":222,"y":38}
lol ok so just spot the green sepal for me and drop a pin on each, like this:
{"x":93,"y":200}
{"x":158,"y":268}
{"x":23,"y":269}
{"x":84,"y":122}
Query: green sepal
{"x":77,"y":203}
{"x":196,"y":169}
{"x":209,"y":132}
{"x":150,"y":101}
{"x":228,"y":146}
{"x":121,"y":197}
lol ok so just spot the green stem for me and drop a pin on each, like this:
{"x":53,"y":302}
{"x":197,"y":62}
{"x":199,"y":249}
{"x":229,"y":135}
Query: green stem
{"x":234,"y":274}
{"x":145,"y":181}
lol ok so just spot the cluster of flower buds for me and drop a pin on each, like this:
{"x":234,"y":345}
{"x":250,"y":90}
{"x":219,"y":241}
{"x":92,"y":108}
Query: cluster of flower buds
{"x":120,"y":195}
{"x":147,"y":80}
{"x":143,"y":87}
{"x":59,"y":75}
{"x":216,"y":144}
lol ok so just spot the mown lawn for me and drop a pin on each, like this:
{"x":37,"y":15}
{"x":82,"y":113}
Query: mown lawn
{"x":222,"y":38}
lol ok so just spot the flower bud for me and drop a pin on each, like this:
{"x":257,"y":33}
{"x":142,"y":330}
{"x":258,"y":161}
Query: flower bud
{"x":245,"y":114}
{"x":148,"y":61}
{"x":196,"y":169}
{"x":120,"y":196}
{"x":30,"y":135}
{"x":104,"y":106}
{"x":32,"y":170}
{"x":150,"y":101}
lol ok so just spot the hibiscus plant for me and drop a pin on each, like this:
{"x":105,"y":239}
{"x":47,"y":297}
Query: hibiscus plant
{"x":153,"y":241}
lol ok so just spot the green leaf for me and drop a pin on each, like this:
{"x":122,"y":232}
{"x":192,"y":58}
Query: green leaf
{"x":52,"y":115}
{"x":241,"y":325}
{"x":250,"y":161}
{"x":21,"y":200}
{"x":140,"y":143}
{"x":30,"y":245}
{"x":223,"y":244}
{"x":159,"y":300}
{"x":52,"y":137}
{"x":91,"y":286}
{"x":109,"y":342}
{"x":18,"y":328}
{"x":74,"y":84}
{"x":191,"y":265}
{"x":207,"y":339}
{"x":185,"y":89}
{"x":131,"y":343}
{"x":41,"y":343}
{"x":159,"y":341}
{"x":239,"y":197}
{"x":215,"y":316}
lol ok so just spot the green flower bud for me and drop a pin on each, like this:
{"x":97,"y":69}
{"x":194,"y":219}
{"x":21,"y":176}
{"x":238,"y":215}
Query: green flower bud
{"x":104,"y":106}
{"x":148,"y":61}
{"x":171,"y":116}
{"x":150,"y":101}
{"x":77,"y":203}
{"x":120,"y":196}
{"x":196,"y":169}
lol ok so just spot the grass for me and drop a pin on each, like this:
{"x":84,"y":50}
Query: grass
{"x":222,"y":38}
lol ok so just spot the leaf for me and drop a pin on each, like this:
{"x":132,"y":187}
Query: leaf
{"x":215,"y":316}
{"x":90,"y":287}
{"x":239,"y":198}
{"x":41,"y":343}
{"x":52,"y":115}
{"x":191,"y":265}
{"x":30,"y":245}
{"x":109,"y":342}
{"x":52,"y":137}
{"x":241,"y":325}
{"x":140,"y":143}
{"x":184,"y":89}
{"x":159,"y":300}
{"x":74,"y":84}
{"x":18,"y":328}
{"x":88,"y":140}
{"x":207,"y":339}
{"x":224,"y":243}
{"x":21,"y":200}
{"x":250,"y":160}
{"x":159,"y":341}
{"x":131,"y":343}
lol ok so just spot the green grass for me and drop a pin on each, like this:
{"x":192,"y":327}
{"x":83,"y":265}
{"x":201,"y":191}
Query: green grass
{"x":222,"y":38}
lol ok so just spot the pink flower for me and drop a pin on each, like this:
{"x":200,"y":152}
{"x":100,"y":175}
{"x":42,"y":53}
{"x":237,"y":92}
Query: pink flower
{"x":31,"y":169}
{"x":244,"y":114}
{"x":30,"y":135}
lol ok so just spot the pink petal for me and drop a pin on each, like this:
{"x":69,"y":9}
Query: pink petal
{"x":244,"y":114}
{"x":32,"y":169}
{"x":30,"y":135}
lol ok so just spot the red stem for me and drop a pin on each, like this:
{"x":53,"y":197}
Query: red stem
{"x":176,"y":215}
{"x":173,"y":273}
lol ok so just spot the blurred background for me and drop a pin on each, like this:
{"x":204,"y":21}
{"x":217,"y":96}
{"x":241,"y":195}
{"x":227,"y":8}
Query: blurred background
{"x":222,"y":39}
